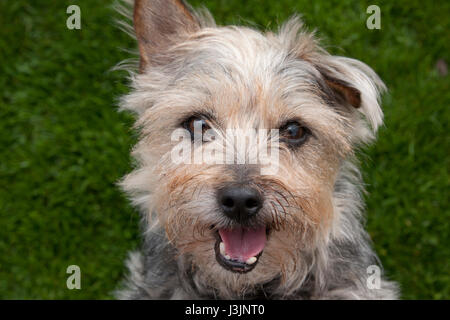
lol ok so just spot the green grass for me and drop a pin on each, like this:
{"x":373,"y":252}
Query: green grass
{"x":63,"y":145}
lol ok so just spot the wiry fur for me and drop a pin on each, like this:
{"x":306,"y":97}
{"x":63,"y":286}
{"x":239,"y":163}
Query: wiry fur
{"x":247,"y":79}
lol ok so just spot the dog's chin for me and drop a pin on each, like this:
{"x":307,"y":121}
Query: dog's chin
{"x":239,"y":249}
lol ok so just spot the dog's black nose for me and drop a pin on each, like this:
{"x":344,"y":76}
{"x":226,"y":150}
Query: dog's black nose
{"x":239,"y":203}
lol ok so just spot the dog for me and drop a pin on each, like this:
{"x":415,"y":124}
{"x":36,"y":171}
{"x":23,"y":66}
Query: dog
{"x":228,"y":230}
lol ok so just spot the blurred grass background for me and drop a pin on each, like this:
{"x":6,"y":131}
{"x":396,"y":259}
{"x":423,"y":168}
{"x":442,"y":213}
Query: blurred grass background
{"x":63,"y":145}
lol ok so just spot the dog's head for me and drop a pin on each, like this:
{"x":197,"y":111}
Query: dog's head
{"x":310,"y":109}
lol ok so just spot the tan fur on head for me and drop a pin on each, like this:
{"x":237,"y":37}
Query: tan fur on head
{"x":245,"y":79}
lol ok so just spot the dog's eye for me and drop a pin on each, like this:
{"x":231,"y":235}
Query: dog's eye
{"x":293,"y":133}
{"x":196,"y":125}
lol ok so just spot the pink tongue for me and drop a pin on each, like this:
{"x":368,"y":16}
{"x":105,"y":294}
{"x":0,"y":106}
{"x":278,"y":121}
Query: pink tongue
{"x":242,"y":244}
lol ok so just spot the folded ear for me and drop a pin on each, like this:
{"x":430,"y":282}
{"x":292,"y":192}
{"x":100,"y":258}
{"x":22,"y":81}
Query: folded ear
{"x":159,"y":24}
{"x":343,"y":91}
{"x":353,"y":83}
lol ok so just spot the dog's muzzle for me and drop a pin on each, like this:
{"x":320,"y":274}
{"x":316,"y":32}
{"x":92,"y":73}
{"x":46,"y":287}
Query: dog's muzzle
{"x":238,"y":249}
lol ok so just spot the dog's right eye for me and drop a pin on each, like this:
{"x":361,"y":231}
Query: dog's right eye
{"x":294,"y":133}
{"x":196,"y":125}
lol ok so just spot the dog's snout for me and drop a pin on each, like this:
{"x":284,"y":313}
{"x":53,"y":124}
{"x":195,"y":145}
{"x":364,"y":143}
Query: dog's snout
{"x":240,"y":203}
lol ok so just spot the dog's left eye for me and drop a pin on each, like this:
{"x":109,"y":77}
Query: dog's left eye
{"x":196,"y":125}
{"x":293,"y":133}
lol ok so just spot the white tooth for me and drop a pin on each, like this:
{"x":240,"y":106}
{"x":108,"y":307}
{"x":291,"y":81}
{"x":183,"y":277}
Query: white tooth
{"x":251,"y":260}
{"x":227,"y":257}
{"x":222,"y":248}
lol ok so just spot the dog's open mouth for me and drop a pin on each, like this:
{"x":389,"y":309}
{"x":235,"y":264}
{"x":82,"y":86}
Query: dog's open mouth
{"x":239,"y":249}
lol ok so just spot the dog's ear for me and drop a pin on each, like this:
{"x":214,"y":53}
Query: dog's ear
{"x":158,"y":24}
{"x":342,"y":90}
{"x":351,"y":82}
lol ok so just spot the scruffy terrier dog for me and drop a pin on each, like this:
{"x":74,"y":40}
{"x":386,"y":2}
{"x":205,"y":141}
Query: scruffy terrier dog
{"x":224,"y":231}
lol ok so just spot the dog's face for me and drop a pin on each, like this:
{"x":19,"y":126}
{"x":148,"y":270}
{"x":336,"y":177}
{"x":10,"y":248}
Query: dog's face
{"x":232,"y":220}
